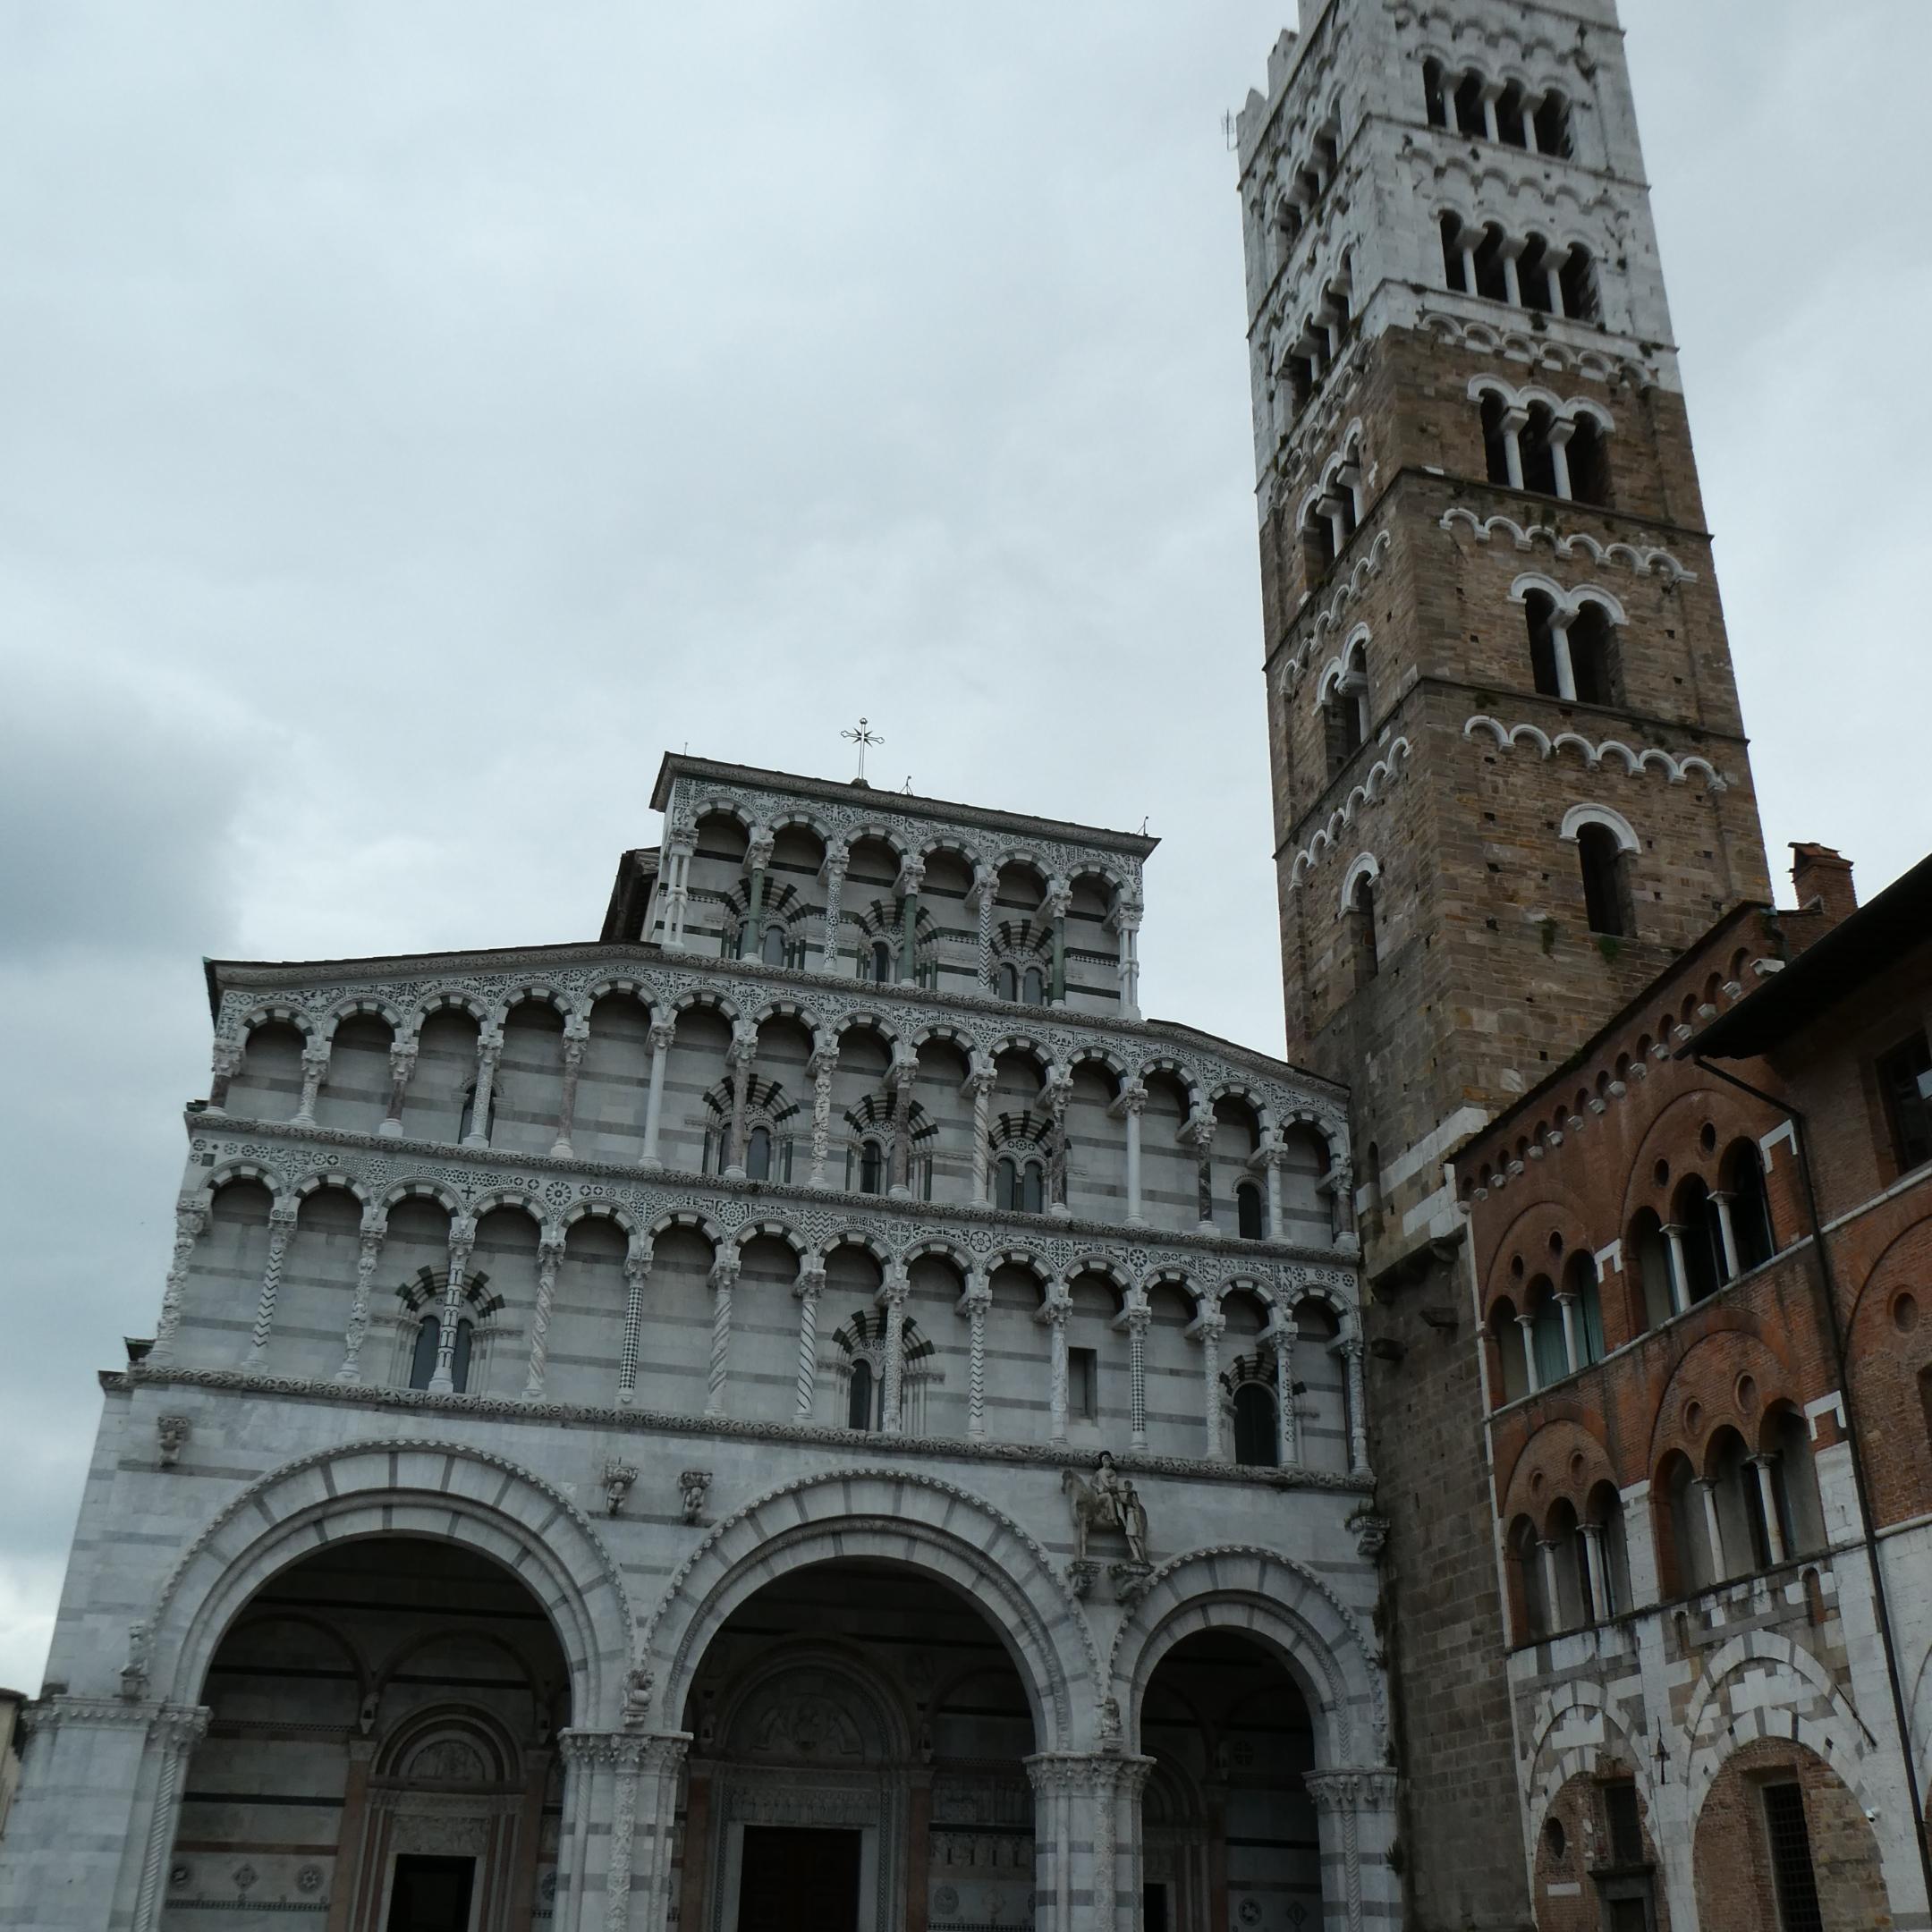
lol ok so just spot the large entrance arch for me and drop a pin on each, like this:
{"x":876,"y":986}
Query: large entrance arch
{"x":860,"y":1738}
{"x":383,"y":1718}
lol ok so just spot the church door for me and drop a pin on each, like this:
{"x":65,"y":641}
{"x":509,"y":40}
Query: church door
{"x":798,"y":1880}
{"x":431,"y":1894}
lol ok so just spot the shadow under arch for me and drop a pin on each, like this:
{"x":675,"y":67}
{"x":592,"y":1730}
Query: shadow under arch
{"x":1249,"y":1591}
{"x":441,"y":1492}
{"x":904,"y":1518}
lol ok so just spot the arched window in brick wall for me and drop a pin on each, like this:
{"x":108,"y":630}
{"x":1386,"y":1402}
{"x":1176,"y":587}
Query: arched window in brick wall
{"x":1742,"y":1545}
{"x":1797,"y":1505}
{"x":1363,"y":922}
{"x":1528,"y":1586}
{"x":1701,"y":1239}
{"x":1605,"y":1514}
{"x":1684,"y":1556}
{"x":1505,"y":1338}
{"x":1574,"y":1605}
{"x":1344,"y":701}
{"x":1646,"y":1272}
{"x":1546,"y":1332}
{"x":1586,"y":1302}
{"x":1744,"y":1178}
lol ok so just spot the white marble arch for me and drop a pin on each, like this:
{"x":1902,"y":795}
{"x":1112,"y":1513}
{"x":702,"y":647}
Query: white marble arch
{"x":443,"y":1491}
{"x":131,"y":1753}
{"x":1247,"y":1590}
{"x":929,"y":1526}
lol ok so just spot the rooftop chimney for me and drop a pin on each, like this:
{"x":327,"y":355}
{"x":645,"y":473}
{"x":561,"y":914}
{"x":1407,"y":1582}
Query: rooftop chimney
{"x":1822,"y":880}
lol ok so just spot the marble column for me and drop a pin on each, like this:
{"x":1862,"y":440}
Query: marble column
{"x":617,"y":1837}
{"x":1137,"y":1317}
{"x":1768,"y":1503}
{"x":1127,"y":928}
{"x":576,"y":1036}
{"x":1680,"y":1273}
{"x":1728,"y":1232}
{"x":402,"y":1071}
{"x":314,"y":1060}
{"x":1058,"y":903}
{"x":463,"y":1233}
{"x":1355,"y":1817}
{"x":1280,"y":1334}
{"x":808,"y":1288}
{"x":1055,"y":1312}
{"x":637,"y":1271}
{"x":489,"y":1050}
{"x":902,"y":1074}
{"x":892,"y":1298}
{"x":834,"y":888}
{"x":1357,"y":1408}
{"x":1130,"y":1106}
{"x":1207,"y":1327}
{"x":191,"y":1224}
{"x":549,"y":1259}
{"x":741,"y":1057}
{"x":822,"y":1065}
{"x":664,"y":1031}
{"x":369,"y":1252}
{"x":973,"y":1303}
{"x":724,"y":1279}
{"x":979,"y":1087}
{"x":281,"y":1231}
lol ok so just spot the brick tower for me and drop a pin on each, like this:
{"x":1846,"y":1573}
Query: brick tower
{"x":1510,"y":776}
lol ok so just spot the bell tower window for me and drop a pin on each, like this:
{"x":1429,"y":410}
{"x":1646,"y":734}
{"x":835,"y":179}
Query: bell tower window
{"x":1361,"y":914}
{"x":1605,"y":890}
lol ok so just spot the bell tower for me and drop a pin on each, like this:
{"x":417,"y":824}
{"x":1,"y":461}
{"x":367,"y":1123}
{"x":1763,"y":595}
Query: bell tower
{"x":1510,"y":773}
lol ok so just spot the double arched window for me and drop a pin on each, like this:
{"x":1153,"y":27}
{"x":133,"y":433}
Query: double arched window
{"x":1019,"y":1183}
{"x":1573,"y":652}
{"x":1021,"y":981}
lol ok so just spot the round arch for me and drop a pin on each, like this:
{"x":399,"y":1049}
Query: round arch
{"x":443,"y":1491}
{"x":916,"y":1520}
{"x":1246,"y":1589}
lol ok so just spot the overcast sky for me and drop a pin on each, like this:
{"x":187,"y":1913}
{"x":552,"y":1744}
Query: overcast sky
{"x":417,"y":418}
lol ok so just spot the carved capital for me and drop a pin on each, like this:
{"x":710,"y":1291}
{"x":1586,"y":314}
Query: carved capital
{"x":810,"y":1282}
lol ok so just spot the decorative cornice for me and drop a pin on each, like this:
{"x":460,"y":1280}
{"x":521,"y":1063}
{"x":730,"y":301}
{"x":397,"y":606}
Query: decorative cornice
{"x":656,"y":1422}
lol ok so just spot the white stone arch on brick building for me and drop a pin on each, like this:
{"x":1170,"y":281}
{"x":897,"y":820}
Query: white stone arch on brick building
{"x":929,"y":1526}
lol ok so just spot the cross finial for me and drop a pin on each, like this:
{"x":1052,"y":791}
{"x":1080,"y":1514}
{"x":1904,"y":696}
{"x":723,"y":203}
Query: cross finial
{"x":864,"y":735}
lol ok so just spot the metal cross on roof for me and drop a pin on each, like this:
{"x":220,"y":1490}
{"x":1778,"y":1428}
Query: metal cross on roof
{"x":864,"y":735}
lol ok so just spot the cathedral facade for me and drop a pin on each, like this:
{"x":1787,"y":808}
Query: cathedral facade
{"x":808,"y":1410}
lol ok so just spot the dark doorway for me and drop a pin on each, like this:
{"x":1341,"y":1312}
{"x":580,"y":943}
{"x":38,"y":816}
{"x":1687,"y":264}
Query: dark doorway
{"x":796,"y":1880}
{"x":431,"y":1894}
{"x":1154,"y":1908}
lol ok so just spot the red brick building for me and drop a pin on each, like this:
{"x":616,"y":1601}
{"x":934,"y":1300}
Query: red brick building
{"x":1700,"y":1254}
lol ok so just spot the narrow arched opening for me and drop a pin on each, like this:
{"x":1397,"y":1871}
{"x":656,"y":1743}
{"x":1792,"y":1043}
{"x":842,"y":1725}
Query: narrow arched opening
{"x":1233,"y":1740}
